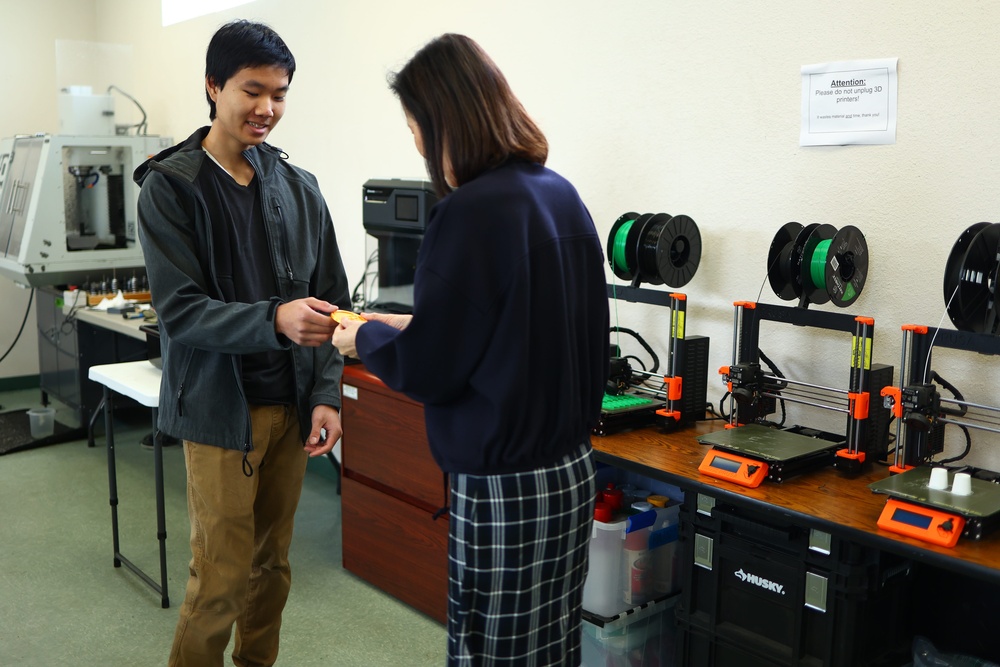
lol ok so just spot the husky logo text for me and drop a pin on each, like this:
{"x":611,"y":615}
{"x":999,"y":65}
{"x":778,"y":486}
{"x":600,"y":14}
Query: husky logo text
{"x":766,"y":584}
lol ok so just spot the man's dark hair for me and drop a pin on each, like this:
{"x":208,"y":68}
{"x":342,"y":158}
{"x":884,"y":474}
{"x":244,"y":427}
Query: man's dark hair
{"x":462,"y":103}
{"x":241,"y":44}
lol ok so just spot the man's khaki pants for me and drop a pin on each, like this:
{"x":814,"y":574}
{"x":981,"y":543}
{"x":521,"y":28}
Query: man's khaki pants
{"x":241,"y":528}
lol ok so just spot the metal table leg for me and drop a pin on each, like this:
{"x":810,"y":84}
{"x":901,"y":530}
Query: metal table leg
{"x":93,"y":419}
{"x":161,"y":515}
{"x":161,"y":529}
{"x":112,"y":472}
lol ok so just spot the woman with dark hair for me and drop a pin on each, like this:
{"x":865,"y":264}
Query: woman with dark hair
{"x":507,"y":348}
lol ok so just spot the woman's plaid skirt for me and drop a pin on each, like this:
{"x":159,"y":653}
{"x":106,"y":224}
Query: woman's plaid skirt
{"x":517,"y":560}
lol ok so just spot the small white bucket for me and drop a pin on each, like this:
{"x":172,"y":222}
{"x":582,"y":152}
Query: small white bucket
{"x":42,"y":421}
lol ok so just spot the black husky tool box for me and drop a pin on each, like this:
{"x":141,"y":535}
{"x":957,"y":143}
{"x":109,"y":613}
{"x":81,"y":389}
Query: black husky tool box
{"x":760,"y":590}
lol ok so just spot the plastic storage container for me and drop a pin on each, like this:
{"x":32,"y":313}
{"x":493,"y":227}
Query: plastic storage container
{"x":641,"y":637}
{"x":42,"y":422}
{"x":621,"y":570}
{"x":760,"y":590}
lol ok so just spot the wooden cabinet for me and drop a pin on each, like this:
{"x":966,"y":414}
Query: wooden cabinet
{"x":391,"y":489}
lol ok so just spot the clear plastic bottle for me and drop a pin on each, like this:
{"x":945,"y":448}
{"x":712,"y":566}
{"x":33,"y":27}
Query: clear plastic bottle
{"x":663,"y":543}
{"x":602,"y":591}
{"x":637,"y":571}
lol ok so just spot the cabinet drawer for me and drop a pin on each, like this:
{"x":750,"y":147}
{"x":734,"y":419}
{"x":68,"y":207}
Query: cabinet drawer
{"x":396,"y":547}
{"x":385,"y":441}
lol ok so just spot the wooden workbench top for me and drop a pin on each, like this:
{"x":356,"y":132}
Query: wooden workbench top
{"x":826,"y":499}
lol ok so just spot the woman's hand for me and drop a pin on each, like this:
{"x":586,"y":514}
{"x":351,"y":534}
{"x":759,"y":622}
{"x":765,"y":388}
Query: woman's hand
{"x":396,"y":321}
{"x":344,"y":336}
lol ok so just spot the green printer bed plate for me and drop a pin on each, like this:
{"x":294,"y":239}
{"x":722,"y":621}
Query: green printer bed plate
{"x":766,"y":444}
{"x":911,"y":485}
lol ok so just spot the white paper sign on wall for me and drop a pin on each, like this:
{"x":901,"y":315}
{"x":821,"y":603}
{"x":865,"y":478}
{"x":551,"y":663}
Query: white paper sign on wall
{"x":849,"y":102}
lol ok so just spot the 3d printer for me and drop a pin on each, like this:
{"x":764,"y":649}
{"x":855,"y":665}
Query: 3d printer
{"x":811,"y":264}
{"x":655,"y":248}
{"x":940,"y":501}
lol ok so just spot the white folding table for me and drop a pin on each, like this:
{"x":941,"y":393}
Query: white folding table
{"x":139,"y":380}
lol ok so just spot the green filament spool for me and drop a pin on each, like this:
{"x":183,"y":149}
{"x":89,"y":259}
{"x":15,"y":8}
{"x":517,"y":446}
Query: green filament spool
{"x":654,"y":248}
{"x":622,"y":242}
{"x":817,"y":264}
{"x":619,"y":253}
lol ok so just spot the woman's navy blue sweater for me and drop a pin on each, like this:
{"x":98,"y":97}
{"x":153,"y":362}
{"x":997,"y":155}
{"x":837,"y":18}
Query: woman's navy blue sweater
{"x":508,"y":345}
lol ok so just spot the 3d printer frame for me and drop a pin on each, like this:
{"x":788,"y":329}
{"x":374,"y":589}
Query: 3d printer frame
{"x":754,"y":393}
{"x":917,"y":404}
{"x":678,"y":408}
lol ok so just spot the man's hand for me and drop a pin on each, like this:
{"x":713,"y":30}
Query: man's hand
{"x":323,"y":417}
{"x":305,"y":321}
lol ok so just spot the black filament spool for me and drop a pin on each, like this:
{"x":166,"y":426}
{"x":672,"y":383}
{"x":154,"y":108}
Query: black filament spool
{"x":678,"y":251}
{"x":648,"y":250}
{"x":971,"y":279}
{"x":846,"y":267}
{"x":782,"y":263}
{"x":953,"y":275}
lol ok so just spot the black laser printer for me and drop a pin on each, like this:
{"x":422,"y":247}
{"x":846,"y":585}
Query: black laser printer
{"x":395,"y":213}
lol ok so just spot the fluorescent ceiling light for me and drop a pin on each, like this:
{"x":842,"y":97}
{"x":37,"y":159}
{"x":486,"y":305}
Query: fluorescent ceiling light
{"x":175,"y":11}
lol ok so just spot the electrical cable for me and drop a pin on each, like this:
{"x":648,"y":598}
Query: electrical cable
{"x":721,"y":412}
{"x":961,"y":412}
{"x":774,"y":369}
{"x":637,"y":360}
{"x":70,"y":318}
{"x":359,"y":296}
{"x":965,"y":452}
{"x":23,"y":322}
{"x":140,"y":127}
{"x":645,"y":345}
{"x":956,"y":394}
{"x":777,"y":386}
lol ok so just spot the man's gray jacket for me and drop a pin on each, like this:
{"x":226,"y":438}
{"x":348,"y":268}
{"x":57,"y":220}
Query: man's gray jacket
{"x":201,"y":336}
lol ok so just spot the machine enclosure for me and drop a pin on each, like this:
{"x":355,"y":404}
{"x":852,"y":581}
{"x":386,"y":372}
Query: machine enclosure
{"x":68,"y":206}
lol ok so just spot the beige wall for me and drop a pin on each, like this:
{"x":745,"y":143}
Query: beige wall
{"x":680,"y":107}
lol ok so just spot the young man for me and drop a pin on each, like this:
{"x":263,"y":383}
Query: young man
{"x":244,"y":271}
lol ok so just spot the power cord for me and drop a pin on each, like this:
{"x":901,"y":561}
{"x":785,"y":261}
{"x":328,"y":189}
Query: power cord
{"x":140,"y":127}
{"x":360,"y":296}
{"x":963,"y":409}
{"x":645,"y":345}
{"x":24,"y":321}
